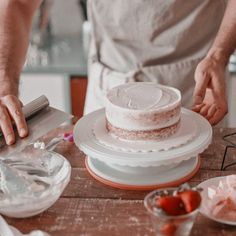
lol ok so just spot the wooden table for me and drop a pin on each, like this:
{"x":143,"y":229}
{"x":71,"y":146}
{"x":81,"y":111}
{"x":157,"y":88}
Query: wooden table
{"x":88,"y":207}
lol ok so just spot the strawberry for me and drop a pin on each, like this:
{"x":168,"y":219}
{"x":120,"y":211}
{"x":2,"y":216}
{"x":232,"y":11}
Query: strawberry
{"x":168,"y":229}
{"x":191,"y":199}
{"x":171,"y":205}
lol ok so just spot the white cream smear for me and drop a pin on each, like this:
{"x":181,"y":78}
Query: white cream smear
{"x":30,"y":175}
{"x":143,"y":96}
{"x":24,"y":177}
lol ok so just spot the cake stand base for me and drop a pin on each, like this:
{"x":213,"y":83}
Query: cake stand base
{"x":142,"y":180}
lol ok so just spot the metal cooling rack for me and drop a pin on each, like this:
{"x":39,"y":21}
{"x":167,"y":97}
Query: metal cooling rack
{"x":230,"y":145}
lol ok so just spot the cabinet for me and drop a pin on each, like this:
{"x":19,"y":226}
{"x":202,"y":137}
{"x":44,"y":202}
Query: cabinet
{"x":78,"y":86}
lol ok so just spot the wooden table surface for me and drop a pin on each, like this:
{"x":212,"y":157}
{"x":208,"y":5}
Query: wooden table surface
{"x":88,"y":207}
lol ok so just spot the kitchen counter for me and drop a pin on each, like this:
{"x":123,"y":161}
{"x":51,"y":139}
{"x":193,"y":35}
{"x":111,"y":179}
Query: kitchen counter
{"x":88,"y":207}
{"x":62,"y":55}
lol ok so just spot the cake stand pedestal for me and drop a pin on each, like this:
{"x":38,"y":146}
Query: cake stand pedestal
{"x":138,"y":169}
{"x":139,"y":181}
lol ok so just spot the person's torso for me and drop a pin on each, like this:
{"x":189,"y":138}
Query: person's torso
{"x":140,"y":33}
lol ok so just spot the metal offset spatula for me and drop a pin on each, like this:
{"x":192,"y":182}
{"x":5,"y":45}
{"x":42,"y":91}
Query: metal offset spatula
{"x":41,"y":118}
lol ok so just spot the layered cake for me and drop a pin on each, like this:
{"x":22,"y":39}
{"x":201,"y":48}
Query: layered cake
{"x":143,"y":111}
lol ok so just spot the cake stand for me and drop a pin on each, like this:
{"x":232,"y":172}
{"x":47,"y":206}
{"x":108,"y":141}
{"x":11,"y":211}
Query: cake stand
{"x":142,"y":165}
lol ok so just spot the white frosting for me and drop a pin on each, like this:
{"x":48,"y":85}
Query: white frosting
{"x":126,"y":106}
{"x":31,"y":181}
{"x":142,"y":96}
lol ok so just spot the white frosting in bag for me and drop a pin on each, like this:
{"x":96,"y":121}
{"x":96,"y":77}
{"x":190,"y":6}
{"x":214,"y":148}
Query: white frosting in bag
{"x":31,"y":181}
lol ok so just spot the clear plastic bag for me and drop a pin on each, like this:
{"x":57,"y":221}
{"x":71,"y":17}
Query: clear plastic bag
{"x":31,"y":181}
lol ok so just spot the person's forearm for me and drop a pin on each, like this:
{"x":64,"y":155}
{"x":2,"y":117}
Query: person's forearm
{"x":225,"y":41}
{"x":15,"y":24}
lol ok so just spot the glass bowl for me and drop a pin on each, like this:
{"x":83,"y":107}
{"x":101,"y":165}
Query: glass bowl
{"x":168,"y":225}
{"x":43,"y":176}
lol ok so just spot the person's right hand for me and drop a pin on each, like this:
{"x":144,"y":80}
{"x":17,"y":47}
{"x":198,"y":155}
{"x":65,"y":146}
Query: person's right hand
{"x":11,"y":112}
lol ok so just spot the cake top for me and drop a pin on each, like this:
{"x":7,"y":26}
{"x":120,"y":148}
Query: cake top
{"x":143,"y":96}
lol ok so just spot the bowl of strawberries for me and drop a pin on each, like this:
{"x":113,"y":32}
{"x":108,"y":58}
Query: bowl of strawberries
{"x":173,"y":210}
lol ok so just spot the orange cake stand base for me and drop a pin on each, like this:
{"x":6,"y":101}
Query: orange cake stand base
{"x":143,"y":188}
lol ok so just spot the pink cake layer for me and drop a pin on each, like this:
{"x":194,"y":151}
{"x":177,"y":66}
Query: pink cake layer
{"x":157,"y":134}
{"x":156,"y":117}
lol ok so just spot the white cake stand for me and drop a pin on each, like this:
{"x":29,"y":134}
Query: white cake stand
{"x":136,"y":168}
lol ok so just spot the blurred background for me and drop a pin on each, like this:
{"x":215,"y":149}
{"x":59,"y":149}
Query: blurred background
{"x":56,"y":62}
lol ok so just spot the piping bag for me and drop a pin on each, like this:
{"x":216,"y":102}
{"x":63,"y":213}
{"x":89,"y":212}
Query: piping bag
{"x":27,"y":173}
{"x":8,"y":230}
{"x":41,"y":118}
{"x":18,"y":166}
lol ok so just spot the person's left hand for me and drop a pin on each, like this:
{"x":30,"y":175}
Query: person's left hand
{"x":209,"y":97}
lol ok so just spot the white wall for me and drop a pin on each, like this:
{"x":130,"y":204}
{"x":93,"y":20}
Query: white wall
{"x":54,"y":86}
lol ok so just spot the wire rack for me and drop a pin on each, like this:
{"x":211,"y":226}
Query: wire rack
{"x":230,"y":145}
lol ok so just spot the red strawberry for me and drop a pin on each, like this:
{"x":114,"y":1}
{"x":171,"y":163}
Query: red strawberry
{"x":168,"y":229}
{"x":191,"y":199}
{"x":172,"y":205}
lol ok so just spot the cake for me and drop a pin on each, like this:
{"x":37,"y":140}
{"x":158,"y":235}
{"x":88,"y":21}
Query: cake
{"x":142,"y":111}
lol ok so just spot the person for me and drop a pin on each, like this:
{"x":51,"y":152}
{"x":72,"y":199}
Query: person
{"x":170,"y":42}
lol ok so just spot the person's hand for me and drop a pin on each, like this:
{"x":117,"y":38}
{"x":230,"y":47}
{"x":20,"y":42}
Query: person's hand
{"x":11,"y":112}
{"x":209,"y":97}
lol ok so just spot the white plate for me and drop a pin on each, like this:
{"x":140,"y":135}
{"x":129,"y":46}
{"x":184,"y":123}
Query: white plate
{"x":88,"y":143}
{"x":146,"y":177}
{"x":204,"y":185}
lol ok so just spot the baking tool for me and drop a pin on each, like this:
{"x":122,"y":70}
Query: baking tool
{"x":142,"y":178}
{"x":134,"y":169}
{"x":32,"y":180}
{"x":230,"y":140}
{"x":41,"y":118}
{"x":8,"y":230}
{"x":31,"y":176}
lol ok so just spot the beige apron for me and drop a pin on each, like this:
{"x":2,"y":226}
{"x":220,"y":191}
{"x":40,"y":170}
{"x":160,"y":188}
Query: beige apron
{"x":149,"y":40}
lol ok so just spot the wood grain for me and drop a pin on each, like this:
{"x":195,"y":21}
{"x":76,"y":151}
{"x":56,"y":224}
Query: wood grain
{"x":89,"y":208}
{"x":106,"y":217}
